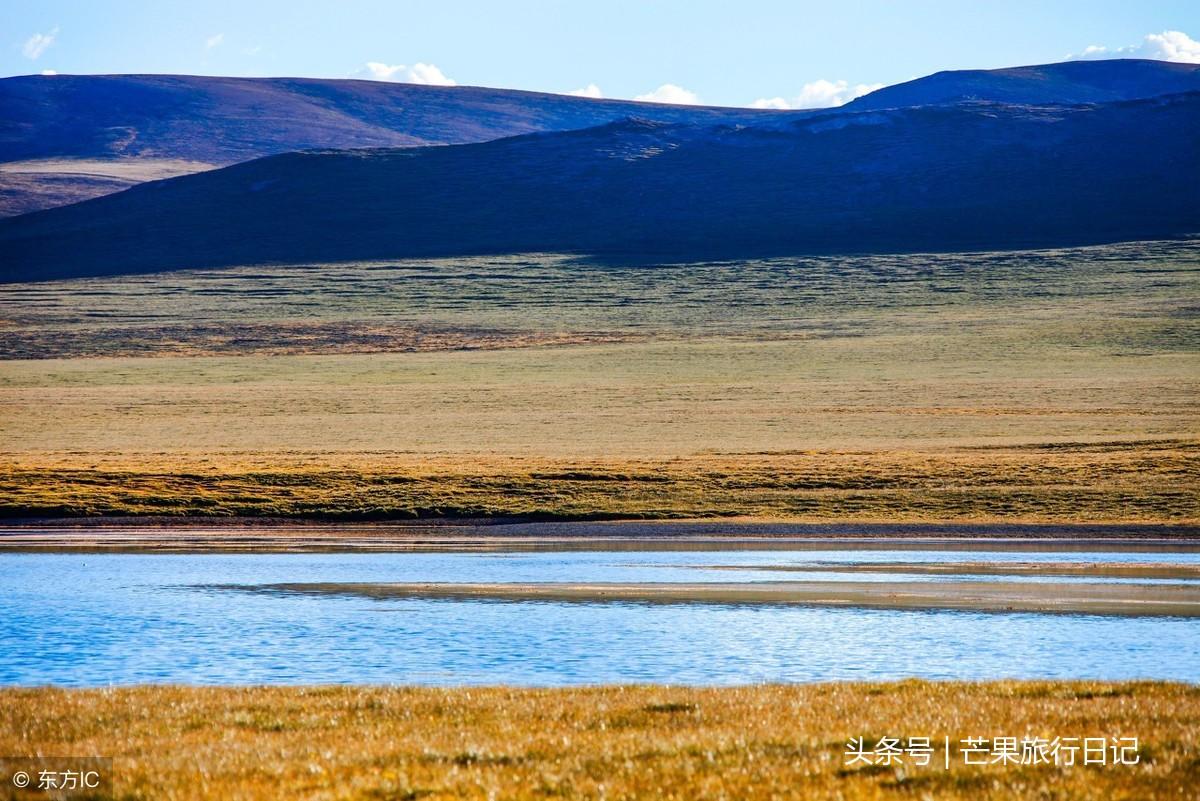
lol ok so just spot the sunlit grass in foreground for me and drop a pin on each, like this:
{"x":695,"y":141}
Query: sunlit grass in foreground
{"x":1115,"y":482}
{"x":609,"y":742}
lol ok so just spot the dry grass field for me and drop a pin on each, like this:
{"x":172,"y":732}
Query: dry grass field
{"x":758,"y":742}
{"x":1135,"y":482}
{"x":35,"y":184}
{"x":1049,"y":385}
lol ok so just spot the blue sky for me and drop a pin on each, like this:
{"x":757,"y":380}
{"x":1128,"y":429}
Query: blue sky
{"x":735,"y":52}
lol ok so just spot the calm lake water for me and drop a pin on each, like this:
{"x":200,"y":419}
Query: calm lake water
{"x":92,"y":620}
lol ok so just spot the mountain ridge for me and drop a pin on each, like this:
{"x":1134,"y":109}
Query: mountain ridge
{"x":1064,"y":82}
{"x":66,"y":138}
{"x":992,"y":176}
{"x":329,"y":112}
{"x":64,"y":133}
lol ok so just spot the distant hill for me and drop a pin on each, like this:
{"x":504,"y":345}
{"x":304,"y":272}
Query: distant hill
{"x":965,"y":176}
{"x":226,"y":120}
{"x":89,"y":120}
{"x":221,"y":121}
{"x":1070,"y":82}
{"x":65,"y":138}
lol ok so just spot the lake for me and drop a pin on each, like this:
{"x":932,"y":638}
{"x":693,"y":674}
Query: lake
{"x":124,"y":618}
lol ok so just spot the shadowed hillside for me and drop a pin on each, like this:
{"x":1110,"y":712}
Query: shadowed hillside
{"x":82,"y":122}
{"x":67,"y":138}
{"x":221,"y":120}
{"x":940,"y":178}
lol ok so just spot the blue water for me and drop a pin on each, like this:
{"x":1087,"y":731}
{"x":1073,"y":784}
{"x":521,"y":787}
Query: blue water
{"x":94,"y":620}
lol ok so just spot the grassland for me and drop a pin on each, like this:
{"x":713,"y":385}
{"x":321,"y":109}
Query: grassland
{"x":1136,"y":482}
{"x":1039,"y":386}
{"x":763,"y":742}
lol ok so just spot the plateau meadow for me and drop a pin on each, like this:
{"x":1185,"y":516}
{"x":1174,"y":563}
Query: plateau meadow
{"x":1035,"y":385}
{"x":616,"y":742}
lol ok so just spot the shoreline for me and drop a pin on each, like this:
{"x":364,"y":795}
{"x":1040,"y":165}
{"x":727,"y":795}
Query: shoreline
{"x":156,"y":535}
{"x":1143,"y":570}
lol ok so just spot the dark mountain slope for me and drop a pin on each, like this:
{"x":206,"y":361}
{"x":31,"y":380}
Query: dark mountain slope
{"x":226,"y":120}
{"x":934,"y":178}
{"x":1069,"y":82}
{"x":183,"y":123}
{"x":65,"y":138}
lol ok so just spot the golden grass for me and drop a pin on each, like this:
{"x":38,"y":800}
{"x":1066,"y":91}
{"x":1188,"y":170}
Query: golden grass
{"x":762,"y":742}
{"x":630,"y":400}
{"x":861,"y":388}
{"x":1121,"y":482}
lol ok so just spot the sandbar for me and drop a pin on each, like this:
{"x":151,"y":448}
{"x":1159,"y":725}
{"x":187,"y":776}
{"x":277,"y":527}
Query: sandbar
{"x":979,"y":596}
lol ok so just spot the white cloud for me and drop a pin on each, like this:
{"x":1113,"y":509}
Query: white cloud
{"x":418,"y":73}
{"x":1173,"y":46}
{"x":771,"y":102}
{"x":36,"y":45}
{"x":49,"y":72}
{"x":819,"y":94}
{"x":670,"y":93}
{"x":591,"y":90}
{"x":429,"y":74}
{"x":1165,"y":46}
{"x":214,"y":41}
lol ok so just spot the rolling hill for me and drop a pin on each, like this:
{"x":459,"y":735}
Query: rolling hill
{"x":963,"y":176}
{"x":66,"y":132}
{"x":66,"y":138}
{"x":226,"y":120}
